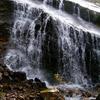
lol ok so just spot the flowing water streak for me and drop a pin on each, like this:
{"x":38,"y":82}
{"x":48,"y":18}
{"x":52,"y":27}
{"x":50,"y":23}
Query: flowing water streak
{"x":70,"y":54}
{"x":61,"y":4}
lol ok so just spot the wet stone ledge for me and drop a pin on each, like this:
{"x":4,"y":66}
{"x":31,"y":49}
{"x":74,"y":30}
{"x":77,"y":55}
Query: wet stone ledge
{"x":84,"y":13}
{"x":76,"y":9}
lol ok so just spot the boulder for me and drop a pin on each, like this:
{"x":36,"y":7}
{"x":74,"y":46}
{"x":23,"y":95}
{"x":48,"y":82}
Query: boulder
{"x":40,"y":84}
{"x":19,"y":76}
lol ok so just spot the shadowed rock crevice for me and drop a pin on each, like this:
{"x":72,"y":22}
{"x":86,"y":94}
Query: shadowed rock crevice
{"x":6,"y":16}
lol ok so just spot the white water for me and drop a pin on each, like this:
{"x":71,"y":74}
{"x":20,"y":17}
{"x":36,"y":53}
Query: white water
{"x":34,"y":46}
{"x":45,"y":1}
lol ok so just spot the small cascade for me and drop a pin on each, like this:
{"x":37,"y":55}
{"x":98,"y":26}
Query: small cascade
{"x":61,"y":4}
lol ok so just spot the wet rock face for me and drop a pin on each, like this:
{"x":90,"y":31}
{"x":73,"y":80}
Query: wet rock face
{"x":6,"y":11}
{"x":54,"y":3}
{"x":84,"y":13}
{"x":50,"y":49}
{"x":69,"y":7}
{"x":91,"y":57}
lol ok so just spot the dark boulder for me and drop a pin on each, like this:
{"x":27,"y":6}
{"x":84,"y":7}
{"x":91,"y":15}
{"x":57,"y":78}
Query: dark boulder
{"x":39,"y":83}
{"x":19,"y":76}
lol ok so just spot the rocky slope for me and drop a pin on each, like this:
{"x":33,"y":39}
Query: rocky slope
{"x":15,"y":86}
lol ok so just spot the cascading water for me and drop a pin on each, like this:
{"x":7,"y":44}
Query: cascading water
{"x":27,"y":40}
{"x":46,"y":41}
{"x":61,"y":4}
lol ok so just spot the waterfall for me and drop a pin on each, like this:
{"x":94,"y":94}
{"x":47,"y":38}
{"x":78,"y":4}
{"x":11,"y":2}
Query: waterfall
{"x":45,"y":41}
{"x":27,"y":40}
{"x":45,"y":1}
{"x":61,"y":4}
